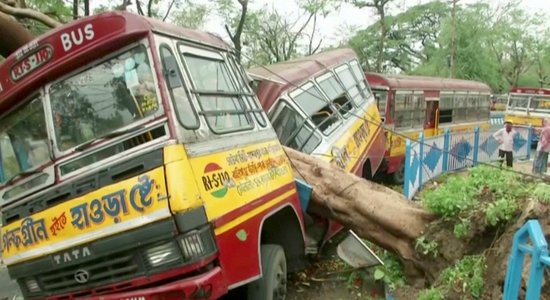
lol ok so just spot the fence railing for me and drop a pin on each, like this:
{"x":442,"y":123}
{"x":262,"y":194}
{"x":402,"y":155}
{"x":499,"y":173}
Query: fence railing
{"x":528,"y":240}
{"x":427,"y":158}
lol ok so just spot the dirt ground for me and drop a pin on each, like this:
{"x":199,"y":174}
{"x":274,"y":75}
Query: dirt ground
{"x":329,"y":278}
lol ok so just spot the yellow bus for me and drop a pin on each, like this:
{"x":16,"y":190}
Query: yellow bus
{"x":411,"y":105}
{"x":322,"y":105}
{"x":137,"y":163}
{"x":528,"y":106}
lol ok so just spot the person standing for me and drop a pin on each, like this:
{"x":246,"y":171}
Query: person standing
{"x":541,"y":158}
{"x":505,"y":137}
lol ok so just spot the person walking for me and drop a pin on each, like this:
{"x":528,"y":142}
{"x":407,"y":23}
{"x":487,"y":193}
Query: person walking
{"x":505,"y":137}
{"x":541,"y":157}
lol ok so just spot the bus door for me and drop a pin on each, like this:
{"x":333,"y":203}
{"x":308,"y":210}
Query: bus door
{"x":431,"y":122}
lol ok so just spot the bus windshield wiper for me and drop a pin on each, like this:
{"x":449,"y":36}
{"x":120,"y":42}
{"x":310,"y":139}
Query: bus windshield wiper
{"x":109,"y":135}
{"x":22,"y":174}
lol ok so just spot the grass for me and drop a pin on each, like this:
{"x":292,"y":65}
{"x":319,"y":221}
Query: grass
{"x":486,"y":191}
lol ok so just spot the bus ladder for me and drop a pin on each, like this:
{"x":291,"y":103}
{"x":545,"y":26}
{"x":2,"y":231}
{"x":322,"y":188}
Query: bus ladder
{"x":540,"y":259}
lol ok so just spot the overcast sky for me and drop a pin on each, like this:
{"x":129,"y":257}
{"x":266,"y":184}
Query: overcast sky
{"x":332,"y":27}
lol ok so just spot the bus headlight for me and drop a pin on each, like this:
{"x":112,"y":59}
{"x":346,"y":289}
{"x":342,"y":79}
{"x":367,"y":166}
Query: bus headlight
{"x":197,"y":244}
{"x":162,"y":255}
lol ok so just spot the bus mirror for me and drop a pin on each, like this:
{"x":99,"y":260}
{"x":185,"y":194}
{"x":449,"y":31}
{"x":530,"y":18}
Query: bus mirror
{"x":171,"y":73}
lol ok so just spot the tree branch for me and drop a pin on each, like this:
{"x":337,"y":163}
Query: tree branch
{"x":29,"y":14}
{"x":168,"y":11}
{"x":75,"y":9}
{"x":150,"y":9}
{"x":139,"y":10}
{"x":86,"y":7}
{"x":310,"y":46}
{"x":13,"y":36}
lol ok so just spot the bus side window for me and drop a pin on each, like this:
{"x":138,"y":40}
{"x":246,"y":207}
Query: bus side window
{"x":446,"y":109}
{"x":410,"y":110}
{"x":381,"y":96}
{"x":336,"y":94}
{"x":484,"y":107}
{"x":360,"y":77}
{"x":293,"y":131}
{"x":460,"y":107}
{"x":318,"y":108}
{"x":184,"y":109}
{"x":221,"y":101}
{"x":350,"y":84}
{"x":478,"y":106}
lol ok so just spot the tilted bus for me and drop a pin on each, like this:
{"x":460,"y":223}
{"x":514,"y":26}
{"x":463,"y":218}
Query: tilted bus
{"x":322,"y":105}
{"x":137,"y":163}
{"x":411,"y":105}
{"x":528,"y":106}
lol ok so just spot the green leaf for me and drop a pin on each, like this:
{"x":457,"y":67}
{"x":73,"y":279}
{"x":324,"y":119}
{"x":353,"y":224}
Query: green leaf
{"x":379,"y":274}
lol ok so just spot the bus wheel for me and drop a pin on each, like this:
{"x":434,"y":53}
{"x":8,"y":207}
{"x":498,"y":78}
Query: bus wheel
{"x":272,"y":284}
{"x":399,"y":175}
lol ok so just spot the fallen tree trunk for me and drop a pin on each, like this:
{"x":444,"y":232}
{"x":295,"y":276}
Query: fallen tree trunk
{"x":374,"y":212}
{"x":13,"y":36}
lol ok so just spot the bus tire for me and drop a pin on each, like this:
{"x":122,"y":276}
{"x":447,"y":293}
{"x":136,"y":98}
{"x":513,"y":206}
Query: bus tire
{"x":398,"y":176}
{"x":272,"y":284}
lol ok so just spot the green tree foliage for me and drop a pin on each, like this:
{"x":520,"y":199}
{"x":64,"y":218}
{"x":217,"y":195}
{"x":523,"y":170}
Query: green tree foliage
{"x":190,"y":14}
{"x":412,"y":38}
{"x":269,"y":36}
{"x":502,"y":46}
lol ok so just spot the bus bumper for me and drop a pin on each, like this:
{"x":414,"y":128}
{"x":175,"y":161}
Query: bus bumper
{"x":209,"y":285}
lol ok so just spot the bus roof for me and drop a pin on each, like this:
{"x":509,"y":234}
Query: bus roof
{"x":72,"y":45}
{"x":406,"y":82}
{"x":530,"y":90}
{"x":280,"y":77}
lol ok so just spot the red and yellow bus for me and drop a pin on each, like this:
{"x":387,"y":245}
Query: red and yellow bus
{"x":136,"y":163}
{"x":410,"y":105}
{"x":322,"y":105}
{"x":528,"y":106}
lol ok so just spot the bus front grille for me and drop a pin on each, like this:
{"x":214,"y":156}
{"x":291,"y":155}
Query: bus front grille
{"x":105,"y":270}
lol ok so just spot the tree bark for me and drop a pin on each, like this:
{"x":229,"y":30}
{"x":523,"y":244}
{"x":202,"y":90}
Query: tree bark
{"x":453,"y":39}
{"x":75,"y":9}
{"x":29,"y":14}
{"x":86,"y":7}
{"x":13,"y":36}
{"x":236,"y":37}
{"x":373,"y":211}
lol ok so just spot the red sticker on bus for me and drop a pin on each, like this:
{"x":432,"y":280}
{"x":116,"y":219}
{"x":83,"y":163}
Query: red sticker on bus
{"x":31,"y":62}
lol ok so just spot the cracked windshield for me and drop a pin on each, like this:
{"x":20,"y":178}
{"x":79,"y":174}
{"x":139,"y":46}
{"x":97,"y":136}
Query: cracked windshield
{"x":23,"y":140}
{"x":105,"y":98}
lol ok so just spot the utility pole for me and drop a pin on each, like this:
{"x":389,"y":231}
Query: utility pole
{"x":453,"y":38}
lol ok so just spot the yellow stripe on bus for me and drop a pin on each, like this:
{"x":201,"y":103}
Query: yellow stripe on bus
{"x":249,"y":215}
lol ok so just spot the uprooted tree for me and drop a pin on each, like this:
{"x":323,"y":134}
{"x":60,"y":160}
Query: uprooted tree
{"x":339,"y":194}
{"x":421,"y":237}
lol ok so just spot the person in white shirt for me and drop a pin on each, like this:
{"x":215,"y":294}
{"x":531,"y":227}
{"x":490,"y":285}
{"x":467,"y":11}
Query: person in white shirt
{"x":505,"y":137}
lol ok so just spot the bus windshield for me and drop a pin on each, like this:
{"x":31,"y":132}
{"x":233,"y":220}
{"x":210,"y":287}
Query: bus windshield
{"x":113,"y":94}
{"x":539,"y":104}
{"x":23,"y":140}
{"x":518,"y":102}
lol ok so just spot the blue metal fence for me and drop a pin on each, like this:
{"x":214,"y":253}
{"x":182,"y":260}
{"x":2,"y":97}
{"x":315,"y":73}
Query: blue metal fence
{"x":430,"y":157}
{"x":529,"y":239}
